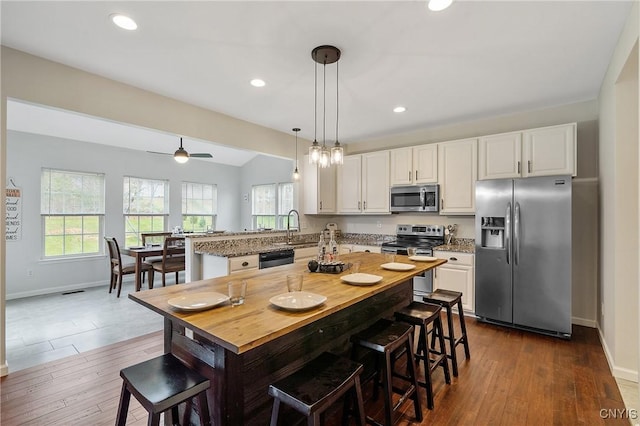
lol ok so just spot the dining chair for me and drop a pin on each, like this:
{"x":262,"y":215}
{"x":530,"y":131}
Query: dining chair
{"x":119,"y":268}
{"x":173,"y":259}
{"x":154,"y":238}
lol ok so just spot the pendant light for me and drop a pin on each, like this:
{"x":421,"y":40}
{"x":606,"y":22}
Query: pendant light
{"x":296,"y":173}
{"x":337,"y":152}
{"x":321,"y":155}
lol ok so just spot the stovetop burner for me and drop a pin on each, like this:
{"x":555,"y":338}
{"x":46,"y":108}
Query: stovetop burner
{"x":423,"y":237}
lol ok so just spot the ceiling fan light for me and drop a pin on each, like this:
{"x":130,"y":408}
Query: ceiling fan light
{"x":438,"y":5}
{"x":181,"y":156}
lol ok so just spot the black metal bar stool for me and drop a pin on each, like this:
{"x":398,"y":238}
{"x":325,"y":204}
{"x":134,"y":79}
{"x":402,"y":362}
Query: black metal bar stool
{"x":423,"y":315}
{"x":384,"y":338}
{"x":160,"y":384}
{"x":447,"y":299}
{"x":315,"y":387}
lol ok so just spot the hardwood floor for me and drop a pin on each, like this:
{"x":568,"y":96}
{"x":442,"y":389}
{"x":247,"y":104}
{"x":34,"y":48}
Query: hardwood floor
{"x":513,"y":377}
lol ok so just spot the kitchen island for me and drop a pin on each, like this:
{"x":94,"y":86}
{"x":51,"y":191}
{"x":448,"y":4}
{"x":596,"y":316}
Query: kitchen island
{"x":243,"y":349}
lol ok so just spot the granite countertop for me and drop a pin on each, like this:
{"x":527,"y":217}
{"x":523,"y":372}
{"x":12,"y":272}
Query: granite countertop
{"x":264,"y":243}
{"x":459,"y":245}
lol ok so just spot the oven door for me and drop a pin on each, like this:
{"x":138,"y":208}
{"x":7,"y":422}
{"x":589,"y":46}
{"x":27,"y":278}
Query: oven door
{"x":423,"y":284}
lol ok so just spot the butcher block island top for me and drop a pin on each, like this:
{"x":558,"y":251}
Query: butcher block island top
{"x":256,"y":322}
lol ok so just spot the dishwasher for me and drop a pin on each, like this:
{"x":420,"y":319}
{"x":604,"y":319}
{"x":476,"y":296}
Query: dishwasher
{"x":275,"y":258}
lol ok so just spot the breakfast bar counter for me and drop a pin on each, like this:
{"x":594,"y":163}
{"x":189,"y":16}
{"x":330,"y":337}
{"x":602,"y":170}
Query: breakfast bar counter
{"x":242,"y":349}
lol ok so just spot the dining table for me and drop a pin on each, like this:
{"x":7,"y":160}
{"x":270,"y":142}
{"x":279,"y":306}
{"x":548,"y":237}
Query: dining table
{"x":242,"y":349}
{"x":141,"y":253}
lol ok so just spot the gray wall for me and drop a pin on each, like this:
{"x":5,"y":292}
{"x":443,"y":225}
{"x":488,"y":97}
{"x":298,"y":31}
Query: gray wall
{"x":27,"y":273}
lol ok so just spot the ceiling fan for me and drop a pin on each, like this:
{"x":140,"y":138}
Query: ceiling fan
{"x":182,"y":156}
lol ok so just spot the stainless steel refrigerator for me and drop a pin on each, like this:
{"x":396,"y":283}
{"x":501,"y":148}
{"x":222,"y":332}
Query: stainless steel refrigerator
{"x":523,"y":253}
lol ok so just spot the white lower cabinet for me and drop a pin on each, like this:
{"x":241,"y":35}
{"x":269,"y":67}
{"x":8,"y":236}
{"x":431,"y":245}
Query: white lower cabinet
{"x":360,"y":248}
{"x":456,"y":275}
{"x":218,"y":266}
{"x":305,"y":253}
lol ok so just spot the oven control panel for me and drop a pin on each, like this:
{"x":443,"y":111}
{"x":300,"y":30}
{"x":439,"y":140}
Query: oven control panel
{"x":436,"y":231}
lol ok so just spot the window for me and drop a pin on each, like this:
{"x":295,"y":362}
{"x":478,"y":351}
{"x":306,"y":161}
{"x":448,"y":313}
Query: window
{"x":199,"y":206}
{"x":72,"y":209}
{"x":145,"y":207}
{"x":270,"y":205}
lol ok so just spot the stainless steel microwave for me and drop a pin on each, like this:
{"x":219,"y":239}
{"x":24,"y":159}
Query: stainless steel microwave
{"x":415,"y":198}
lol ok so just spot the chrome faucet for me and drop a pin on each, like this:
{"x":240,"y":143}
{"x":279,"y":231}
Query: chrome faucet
{"x":297,"y":228}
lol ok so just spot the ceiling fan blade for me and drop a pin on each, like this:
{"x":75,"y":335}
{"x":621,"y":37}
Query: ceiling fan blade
{"x":201,"y":155}
{"x":161,"y":153}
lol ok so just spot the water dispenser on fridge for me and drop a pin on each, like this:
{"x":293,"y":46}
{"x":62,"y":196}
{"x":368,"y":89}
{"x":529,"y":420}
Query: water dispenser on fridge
{"x":492,"y":232}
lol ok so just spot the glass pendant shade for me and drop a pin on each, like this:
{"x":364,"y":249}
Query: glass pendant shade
{"x":325,"y":157}
{"x":337,"y":154}
{"x":314,"y":153}
{"x":296,"y":174}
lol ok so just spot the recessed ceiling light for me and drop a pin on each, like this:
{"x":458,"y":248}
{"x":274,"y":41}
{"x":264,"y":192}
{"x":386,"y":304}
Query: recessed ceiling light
{"x":256,"y":82}
{"x":399,"y":109}
{"x":438,"y":5}
{"x":124,"y":22}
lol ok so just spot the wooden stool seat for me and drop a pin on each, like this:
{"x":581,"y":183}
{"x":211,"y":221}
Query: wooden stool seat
{"x":384,"y":338}
{"x":160,"y":384}
{"x":318,"y":385}
{"x":422,"y":315}
{"x":448,"y":299}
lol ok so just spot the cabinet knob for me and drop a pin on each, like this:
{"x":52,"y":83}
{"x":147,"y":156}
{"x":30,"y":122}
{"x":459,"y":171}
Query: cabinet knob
{"x":245,"y":263}
{"x":453,"y":258}
{"x":518,"y":167}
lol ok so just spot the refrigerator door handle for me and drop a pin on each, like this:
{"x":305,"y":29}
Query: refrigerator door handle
{"x":516,"y":233}
{"x":507,"y":230}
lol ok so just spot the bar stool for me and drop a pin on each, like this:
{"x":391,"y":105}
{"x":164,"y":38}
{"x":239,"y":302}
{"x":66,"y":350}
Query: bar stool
{"x":384,"y":338}
{"x":160,"y":384}
{"x":423,"y":315}
{"x":317,"y":386}
{"x":447,"y":299}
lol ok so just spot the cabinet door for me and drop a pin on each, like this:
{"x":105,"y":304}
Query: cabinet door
{"x":319,"y":188}
{"x":349,"y":185}
{"x":375,"y":182}
{"x":499,"y":156}
{"x":456,"y":275}
{"x":401,"y":166}
{"x":550,"y":151}
{"x":457,"y":174}
{"x":327,"y":190}
{"x":425,"y":163}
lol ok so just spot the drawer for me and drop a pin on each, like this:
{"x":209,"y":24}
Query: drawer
{"x":306,"y":253}
{"x":242,"y":263}
{"x":454,"y":258}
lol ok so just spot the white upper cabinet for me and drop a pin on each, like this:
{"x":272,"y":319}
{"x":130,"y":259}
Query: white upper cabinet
{"x":319,"y":188}
{"x":535,"y":152}
{"x":414,"y":165}
{"x":457,"y":175}
{"x":549,"y":151}
{"x":500,"y":156}
{"x":363,"y":183}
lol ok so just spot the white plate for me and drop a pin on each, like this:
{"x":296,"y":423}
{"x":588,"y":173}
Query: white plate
{"x":198,"y":301}
{"x":423,"y":258}
{"x":297,"y":300}
{"x":361,"y":279}
{"x":395,"y":266}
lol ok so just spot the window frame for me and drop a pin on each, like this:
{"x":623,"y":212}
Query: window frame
{"x":138,"y":215}
{"x":279,"y":215}
{"x":91,"y":210}
{"x":185,"y":213}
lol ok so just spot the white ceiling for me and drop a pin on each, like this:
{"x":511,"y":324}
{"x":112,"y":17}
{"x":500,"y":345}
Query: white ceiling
{"x":476,"y":59}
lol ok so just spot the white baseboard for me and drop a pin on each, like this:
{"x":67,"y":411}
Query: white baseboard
{"x":61,"y":289}
{"x":4,"y":369}
{"x":616,"y":371}
{"x":584,"y":322}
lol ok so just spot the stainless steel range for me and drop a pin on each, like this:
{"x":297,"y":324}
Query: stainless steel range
{"x":423,"y":238}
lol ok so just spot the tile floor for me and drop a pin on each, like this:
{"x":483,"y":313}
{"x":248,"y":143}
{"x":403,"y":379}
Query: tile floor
{"x":45,"y":328}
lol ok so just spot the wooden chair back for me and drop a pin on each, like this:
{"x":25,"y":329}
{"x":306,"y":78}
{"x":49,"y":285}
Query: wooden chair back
{"x":154,"y":237}
{"x":173,"y":249}
{"x":114,"y":254}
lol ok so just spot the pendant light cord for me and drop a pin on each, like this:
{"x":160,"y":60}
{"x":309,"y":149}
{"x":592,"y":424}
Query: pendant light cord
{"x":337,"y":104}
{"x":315,"y":104}
{"x":324,"y":102}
